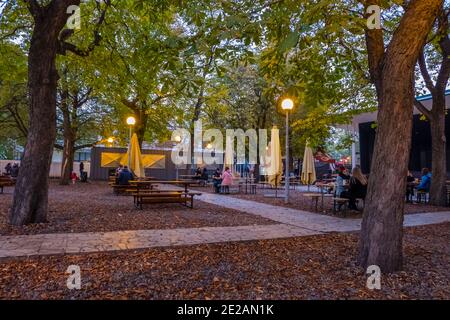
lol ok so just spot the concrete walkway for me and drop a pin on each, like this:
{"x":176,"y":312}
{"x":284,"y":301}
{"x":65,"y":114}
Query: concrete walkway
{"x":65,"y":243}
{"x":312,"y":221}
{"x":293,"y":223}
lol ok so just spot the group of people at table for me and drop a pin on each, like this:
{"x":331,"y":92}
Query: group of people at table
{"x":221,"y":180}
{"x":349,"y":186}
{"x":356,"y":188}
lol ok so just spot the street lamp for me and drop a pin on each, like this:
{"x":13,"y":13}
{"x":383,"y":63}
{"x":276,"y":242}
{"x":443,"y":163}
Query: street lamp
{"x":110,"y":141}
{"x":131,"y":121}
{"x":287,"y":104}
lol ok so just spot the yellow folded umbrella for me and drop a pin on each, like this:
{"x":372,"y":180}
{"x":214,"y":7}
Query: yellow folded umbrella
{"x":275,"y":168}
{"x":135,"y":160}
{"x":308,"y":169}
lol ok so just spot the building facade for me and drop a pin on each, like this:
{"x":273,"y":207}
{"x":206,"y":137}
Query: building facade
{"x":363,"y":128}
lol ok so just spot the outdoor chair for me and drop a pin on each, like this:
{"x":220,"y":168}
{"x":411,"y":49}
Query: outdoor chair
{"x":314,"y":199}
{"x":338,"y":204}
{"x":422,"y":196}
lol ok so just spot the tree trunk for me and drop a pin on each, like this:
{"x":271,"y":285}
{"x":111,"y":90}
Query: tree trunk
{"x":30,"y":202}
{"x":382,"y":225}
{"x":67,"y":162}
{"x":141,"y":125}
{"x":438,"y":191}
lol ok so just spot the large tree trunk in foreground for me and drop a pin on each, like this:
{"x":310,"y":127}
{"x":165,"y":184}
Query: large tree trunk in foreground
{"x":31,"y":192}
{"x":438,"y":191}
{"x":382,"y":225}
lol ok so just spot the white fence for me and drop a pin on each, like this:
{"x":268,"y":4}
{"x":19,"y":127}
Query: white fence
{"x":55,"y":168}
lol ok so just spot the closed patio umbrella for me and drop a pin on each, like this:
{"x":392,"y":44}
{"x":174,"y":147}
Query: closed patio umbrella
{"x":229,"y":155}
{"x":308,"y":169}
{"x":275,"y":167}
{"x":135,"y":161}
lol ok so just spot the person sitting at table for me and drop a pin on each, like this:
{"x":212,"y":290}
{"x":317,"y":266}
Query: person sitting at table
{"x":204,"y":175}
{"x":409,"y":187}
{"x":357,"y":190}
{"x":227,"y":180}
{"x":198,"y":174}
{"x":217,"y":180}
{"x":125,"y":176}
{"x":425,"y":182}
{"x":341,"y":177}
{"x":118,"y":170}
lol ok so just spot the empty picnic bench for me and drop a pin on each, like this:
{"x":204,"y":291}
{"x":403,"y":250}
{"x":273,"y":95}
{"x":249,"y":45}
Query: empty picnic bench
{"x":164,"y":196}
{"x":6,"y":181}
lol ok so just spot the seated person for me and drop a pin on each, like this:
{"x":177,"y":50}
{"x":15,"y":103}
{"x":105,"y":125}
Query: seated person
{"x":204,"y":175}
{"x":217,"y":180}
{"x":342,"y":176}
{"x":120,"y":168}
{"x":198,"y":174}
{"x":409,"y":188}
{"x":425,"y":182}
{"x":125,"y":176}
{"x":227,"y":180}
{"x":358,"y":188}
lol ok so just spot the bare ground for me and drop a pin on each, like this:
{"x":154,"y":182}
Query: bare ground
{"x":93,"y":207}
{"x":316,"y":267}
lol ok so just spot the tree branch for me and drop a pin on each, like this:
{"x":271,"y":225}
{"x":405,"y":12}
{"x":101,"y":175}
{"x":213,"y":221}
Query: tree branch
{"x":375,"y":48}
{"x":34,"y":8}
{"x":87,"y":145}
{"x":65,"y":46}
{"x":422,"y":109}
{"x":444,"y":44}
{"x":425,"y":74}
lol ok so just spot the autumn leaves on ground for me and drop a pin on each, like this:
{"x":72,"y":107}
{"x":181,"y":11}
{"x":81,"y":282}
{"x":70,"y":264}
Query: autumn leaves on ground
{"x":314,"y":267}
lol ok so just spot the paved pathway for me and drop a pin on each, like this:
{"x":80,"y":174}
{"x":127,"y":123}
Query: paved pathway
{"x":293,"y":223}
{"x":312,"y":221}
{"x":46,"y":244}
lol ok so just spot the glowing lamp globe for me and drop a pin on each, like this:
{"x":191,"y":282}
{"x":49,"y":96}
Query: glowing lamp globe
{"x":287,"y":104}
{"x":131,"y":121}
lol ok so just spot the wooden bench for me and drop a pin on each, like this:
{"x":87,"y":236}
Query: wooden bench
{"x":164,"y":196}
{"x":135,"y":193}
{"x":123,"y":189}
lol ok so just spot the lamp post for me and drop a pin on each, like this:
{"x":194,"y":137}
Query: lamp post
{"x":287,"y":105}
{"x":131,"y":121}
{"x":177,"y":140}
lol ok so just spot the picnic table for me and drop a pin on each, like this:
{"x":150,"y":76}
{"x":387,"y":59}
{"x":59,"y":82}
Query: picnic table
{"x":184,"y":183}
{"x":164,"y":196}
{"x":322,"y":186}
